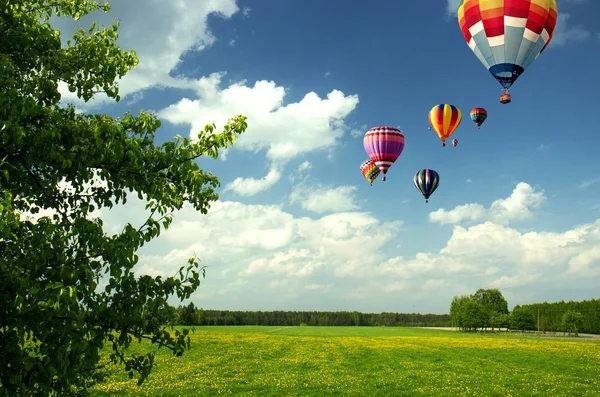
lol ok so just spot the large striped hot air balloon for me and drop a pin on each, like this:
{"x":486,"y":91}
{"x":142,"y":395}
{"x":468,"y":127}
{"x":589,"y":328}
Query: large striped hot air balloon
{"x":444,"y":119}
{"x":507,"y":35}
{"x":370,"y":170}
{"x":426,"y":181}
{"x":478,"y":115}
{"x":384,"y":145}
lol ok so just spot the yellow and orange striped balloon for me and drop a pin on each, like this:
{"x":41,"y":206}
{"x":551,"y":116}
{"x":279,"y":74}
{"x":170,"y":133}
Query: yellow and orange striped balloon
{"x":444,"y":119}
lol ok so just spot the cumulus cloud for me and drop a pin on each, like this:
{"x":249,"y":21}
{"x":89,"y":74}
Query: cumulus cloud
{"x":470,"y":212}
{"x":252,"y":186}
{"x":502,"y":211}
{"x":259,"y":256}
{"x":321,"y":199}
{"x":160,"y":39}
{"x":284,"y":131}
{"x":160,"y":33}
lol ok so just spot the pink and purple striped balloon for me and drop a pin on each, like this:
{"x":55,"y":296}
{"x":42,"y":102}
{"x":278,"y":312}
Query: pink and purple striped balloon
{"x":384,"y":145}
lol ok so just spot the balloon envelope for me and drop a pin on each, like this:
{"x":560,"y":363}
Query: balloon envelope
{"x":478,"y":115}
{"x":369,"y":170}
{"x":507,"y":35}
{"x":444,"y":119}
{"x":384,"y":145}
{"x":426,"y":181}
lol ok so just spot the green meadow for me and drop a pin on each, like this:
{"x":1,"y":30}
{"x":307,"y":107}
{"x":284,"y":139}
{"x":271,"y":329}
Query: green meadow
{"x":365,"y":361}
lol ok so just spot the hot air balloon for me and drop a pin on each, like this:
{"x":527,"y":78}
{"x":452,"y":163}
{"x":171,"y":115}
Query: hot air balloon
{"x":507,"y":35}
{"x":454,"y":142}
{"x":384,"y":145}
{"x":426,"y":181}
{"x":444,"y":119}
{"x":478,"y":115}
{"x":370,"y":171}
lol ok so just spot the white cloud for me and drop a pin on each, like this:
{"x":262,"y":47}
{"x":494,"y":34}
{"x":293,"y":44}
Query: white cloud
{"x":583,"y":263}
{"x":320,"y":199}
{"x":253,"y":186}
{"x":504,"y":256}
{"x":260,"y":254}
{"x":65,"y":187}
{"x":433,"y":284}
{"x":470,"y":212}
{"x":285,"y":131}
{"x":359,"y":132}
{"x":515,"y":281}
{"x":515,"y":207}
{"x":306,"y":165}
{"x":564,"y":33}
{"x":300,"y":172}
{"x":294,"y":262}
{"x":160,"y":38}
{"x":318,"y":287}
{"x":256,"y":239}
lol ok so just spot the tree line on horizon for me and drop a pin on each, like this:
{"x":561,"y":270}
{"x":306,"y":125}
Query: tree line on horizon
{"x":484,"y":309}
{"x":191,"y":315}
{"x":487,"y":308}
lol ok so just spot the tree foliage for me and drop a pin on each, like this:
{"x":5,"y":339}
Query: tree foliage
{"x":54,"y":318}
{"x":492,"y":300}
{"x":571,"y":321}
{"x":572,"y":317}
{"x":551,"y":314}
{"x":485,"y":308}
{"x":522,"y":319}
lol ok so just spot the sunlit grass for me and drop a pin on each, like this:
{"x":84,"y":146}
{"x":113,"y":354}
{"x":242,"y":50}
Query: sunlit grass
{"x":361,"y":361}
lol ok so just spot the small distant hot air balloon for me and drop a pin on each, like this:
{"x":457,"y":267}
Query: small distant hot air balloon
{"x":370,"y":170}
{"x":426,"y":181}
{"x":507,"y":35}
{"x":384,"y":145}
{"x":444,"y":119}
{"x":454,"y":142}
{"x":478,"y":115}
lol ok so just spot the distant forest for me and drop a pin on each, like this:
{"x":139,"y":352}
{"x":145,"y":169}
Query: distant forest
{"x":550,"y":315}
{"x":190,"y":315}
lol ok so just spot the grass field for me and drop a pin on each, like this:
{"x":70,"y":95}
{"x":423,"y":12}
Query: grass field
{"x":366,"y":361}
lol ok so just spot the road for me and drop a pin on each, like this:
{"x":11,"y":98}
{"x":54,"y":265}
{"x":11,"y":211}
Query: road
{"x":524,"y":334}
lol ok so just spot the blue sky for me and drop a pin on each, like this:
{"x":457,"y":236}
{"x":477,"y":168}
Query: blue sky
{"x":297,"y":227}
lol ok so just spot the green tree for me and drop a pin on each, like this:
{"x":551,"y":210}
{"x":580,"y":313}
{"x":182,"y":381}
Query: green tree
{"x":499,"y":320}
{"x":54,"y":318}
{"x":571,"y":321}
{"x":493,"y":303}
{"x":456,"y":308}
{"x":522,"y":318}
{"x":472,"y":315}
